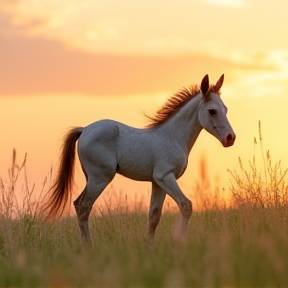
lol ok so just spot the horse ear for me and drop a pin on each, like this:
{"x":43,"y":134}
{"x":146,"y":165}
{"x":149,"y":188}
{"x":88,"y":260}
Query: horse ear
{"x":219,"y":83}
{"x":205,"y":85}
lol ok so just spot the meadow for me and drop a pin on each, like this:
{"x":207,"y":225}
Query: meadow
{"x":236,"y":242}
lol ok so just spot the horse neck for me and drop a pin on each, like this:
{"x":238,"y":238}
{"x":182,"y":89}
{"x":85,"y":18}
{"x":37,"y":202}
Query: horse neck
{"x":184,"y":125}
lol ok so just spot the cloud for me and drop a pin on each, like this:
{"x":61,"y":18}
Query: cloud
{"x":43,"y":66}
{"x":270,"y":77}
{"x":76,"y":24}
{"x":126,"y":27}
{"x":128,"y":47}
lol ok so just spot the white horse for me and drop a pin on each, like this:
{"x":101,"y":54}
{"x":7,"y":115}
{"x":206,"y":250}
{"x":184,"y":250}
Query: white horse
{"x":158,"y":153}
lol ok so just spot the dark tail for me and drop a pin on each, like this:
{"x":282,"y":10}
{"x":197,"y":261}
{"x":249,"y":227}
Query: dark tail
{"x":60,"y":192}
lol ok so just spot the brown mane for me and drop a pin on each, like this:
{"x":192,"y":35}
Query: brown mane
{"x":175,"y":102}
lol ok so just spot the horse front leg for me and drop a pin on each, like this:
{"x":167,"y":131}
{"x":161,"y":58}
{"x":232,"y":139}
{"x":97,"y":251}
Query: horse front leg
{"x":169,"y":184}
{"x":155,"y":210}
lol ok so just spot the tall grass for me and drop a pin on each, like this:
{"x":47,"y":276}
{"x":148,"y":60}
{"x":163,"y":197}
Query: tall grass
{"x":229,"y":245}
{"x":262,"y":183}
{"x":16,"y":201}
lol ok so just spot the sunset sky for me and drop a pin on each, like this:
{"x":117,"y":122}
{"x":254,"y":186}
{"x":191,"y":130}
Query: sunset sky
{"x":67,"y":63}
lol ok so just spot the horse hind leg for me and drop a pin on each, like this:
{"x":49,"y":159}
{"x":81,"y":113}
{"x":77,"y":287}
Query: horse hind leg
{"x":83,"y":204}
{"x":82,"y":217}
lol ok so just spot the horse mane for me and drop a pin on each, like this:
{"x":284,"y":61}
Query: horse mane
{"x":175,"y":102}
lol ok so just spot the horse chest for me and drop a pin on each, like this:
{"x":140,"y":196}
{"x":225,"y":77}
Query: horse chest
{"x":179,"y":167}
{"x":172,"y":161}
{"x":181,"y":172}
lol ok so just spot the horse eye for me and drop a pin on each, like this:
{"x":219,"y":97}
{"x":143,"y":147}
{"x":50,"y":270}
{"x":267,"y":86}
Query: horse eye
{"x":212,"y":111}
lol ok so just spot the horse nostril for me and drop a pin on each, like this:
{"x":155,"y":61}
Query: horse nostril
{"x":229,"y":137}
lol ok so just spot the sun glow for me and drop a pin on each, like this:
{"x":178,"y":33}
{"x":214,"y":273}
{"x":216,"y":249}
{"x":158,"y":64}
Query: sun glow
{"x":66,"y":63}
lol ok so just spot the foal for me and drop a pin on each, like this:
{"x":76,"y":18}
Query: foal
{"x":158,"y":153}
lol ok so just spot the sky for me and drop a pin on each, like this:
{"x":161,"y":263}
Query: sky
{"x":69,"y":63}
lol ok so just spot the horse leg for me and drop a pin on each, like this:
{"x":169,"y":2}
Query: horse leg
{"x":169,"y":184}
{"x":83,"y":205}
{"x":155,"y":210}
{"x":82,"y":217}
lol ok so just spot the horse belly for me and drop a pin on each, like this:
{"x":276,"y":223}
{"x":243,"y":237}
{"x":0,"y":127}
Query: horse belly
{"x":139,"y":169}
{"x":135,"y":176}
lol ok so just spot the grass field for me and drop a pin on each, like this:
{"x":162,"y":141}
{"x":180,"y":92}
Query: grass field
{"x":242,"y":243}
{"x":225,"y":248}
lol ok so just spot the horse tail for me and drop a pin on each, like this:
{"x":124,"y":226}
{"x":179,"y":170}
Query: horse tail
{"x":60,"y":192}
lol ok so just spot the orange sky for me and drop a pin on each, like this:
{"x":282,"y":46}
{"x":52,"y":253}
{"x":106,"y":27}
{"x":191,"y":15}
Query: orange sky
{"x":69,"y":63}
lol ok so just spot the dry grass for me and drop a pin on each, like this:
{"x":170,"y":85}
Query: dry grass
{"x":262,"y":184}
{"x":15,"y":201}
{"x":242,"y":243}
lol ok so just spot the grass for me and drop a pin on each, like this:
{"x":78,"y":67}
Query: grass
{"x":238,"y":243}
{"x":262,"y":184}
{"x":236,"y":248}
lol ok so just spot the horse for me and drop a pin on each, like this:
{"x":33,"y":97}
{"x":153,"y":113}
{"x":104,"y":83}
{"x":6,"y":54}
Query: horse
{"x":157,"y":153}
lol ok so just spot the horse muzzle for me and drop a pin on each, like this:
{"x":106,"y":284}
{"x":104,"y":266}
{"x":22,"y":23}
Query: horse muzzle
{"x":229,"y":140}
